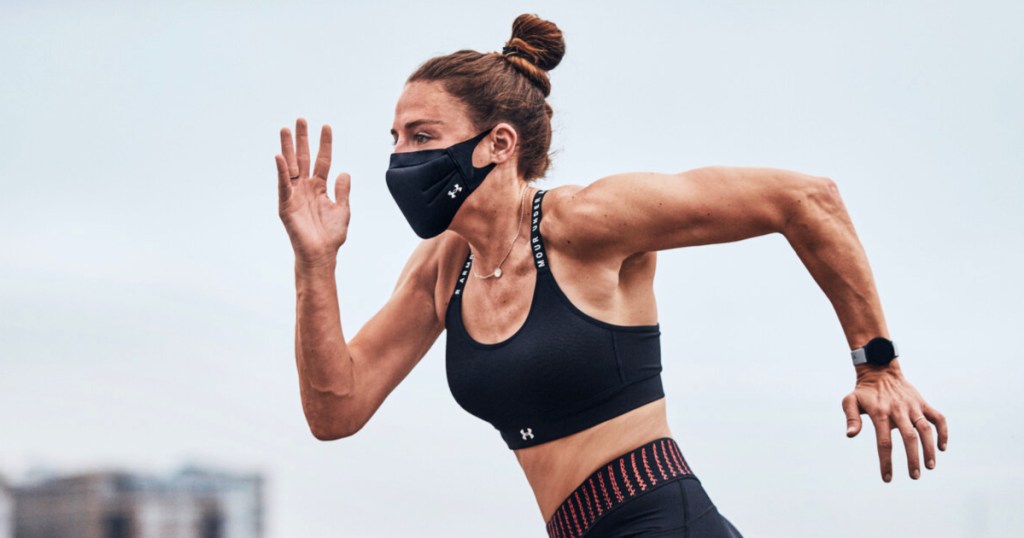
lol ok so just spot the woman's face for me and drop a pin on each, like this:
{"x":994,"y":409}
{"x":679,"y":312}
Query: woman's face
{"x":427,"y":117}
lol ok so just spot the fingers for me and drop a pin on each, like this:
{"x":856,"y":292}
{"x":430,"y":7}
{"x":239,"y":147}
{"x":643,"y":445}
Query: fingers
{"x":939,"y":420}
{"x":323,"y":155}
{"x":288,"y":152}
{"x":342,"y":186}
{"x":910,"y":441}
{"x":852,"y":411}
{"x":884,"y":437}
{"x":284,"y":185}
{"x":893,"y":403}
{"x":302,"y":150}
{"x":924,"y":429}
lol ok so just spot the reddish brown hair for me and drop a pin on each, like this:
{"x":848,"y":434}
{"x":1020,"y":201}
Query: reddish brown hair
{"x":509,"y":86}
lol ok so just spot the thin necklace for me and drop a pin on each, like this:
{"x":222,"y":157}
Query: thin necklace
{"x":497,"y":270}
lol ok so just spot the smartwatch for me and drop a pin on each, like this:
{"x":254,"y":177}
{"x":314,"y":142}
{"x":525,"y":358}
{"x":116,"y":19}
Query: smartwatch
{"x":879,"y":351}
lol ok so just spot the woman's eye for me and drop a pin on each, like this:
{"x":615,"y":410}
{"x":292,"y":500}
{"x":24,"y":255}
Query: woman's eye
{"x":421,"y":138}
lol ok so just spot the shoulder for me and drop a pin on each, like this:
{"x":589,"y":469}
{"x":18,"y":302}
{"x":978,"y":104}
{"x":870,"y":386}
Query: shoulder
{"x":577,"y":223}
{"x":579,"y":219}
{"x":431,"y":257}
{"x":584,"y":223}
{"x":432,"y":269}
{"x":450,"y":252}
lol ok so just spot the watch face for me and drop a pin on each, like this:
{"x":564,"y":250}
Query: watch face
{"x":880,"y":351}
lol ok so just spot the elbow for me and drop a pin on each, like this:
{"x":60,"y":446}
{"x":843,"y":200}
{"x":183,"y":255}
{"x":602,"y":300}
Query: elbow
{"x":826,"y":197}
{"x":824,"y":192}
{"x":327,"y":434}
{"x":814,"y":198}
{"x":331,"y":430}
{"x":827,"y":189}
{"x":329,"y":421}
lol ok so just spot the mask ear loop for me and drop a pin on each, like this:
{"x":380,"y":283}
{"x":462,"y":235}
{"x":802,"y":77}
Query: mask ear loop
{"x":471,"y":143}
{"x":462,"y":155}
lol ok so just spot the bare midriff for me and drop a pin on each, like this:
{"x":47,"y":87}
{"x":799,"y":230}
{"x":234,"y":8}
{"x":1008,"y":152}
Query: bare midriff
{"x":554,"y":469}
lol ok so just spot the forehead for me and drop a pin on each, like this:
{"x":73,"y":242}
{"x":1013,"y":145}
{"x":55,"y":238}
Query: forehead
{"x":429,"y":101}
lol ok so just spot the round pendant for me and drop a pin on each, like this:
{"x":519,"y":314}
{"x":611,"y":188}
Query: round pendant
{"x":497,"y":273}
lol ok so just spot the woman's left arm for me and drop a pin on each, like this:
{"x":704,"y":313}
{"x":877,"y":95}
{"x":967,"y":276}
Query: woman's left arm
{"x":639,"y":212}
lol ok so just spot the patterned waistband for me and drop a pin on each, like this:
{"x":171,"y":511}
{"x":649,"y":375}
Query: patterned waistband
{"x":627,"y":476}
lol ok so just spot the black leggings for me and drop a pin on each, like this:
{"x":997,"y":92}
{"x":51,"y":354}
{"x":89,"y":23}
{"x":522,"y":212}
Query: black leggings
{"x":649,"y":491}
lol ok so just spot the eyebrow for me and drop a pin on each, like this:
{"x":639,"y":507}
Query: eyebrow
{"x":416,"y":123}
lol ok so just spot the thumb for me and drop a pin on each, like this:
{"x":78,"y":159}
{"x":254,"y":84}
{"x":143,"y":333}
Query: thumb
{"x":342,"y":186}
{"x":852,"y":411}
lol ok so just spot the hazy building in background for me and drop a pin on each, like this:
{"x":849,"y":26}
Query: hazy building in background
{"x":6,"y":510}
{"x":193,"y":503}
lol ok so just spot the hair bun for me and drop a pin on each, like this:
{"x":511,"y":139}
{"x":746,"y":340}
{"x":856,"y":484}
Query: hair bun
{"x":536,"y":47}
{"x":536,"y":40}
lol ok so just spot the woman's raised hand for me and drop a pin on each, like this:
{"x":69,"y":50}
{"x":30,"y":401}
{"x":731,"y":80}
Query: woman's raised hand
{"x":316,"y":226}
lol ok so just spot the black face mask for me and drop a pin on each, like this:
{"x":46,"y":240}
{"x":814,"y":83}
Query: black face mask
{"x":429,"y":186}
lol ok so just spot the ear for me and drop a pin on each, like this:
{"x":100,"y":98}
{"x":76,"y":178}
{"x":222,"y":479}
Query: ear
{"x":504,"y":143}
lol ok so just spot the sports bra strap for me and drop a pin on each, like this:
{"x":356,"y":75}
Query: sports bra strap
{"x":540,"y":258}
{"x":461,"y":282}
{"x":536,"y":246}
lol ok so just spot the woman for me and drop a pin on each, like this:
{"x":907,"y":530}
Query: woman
{"x":547,"y":296}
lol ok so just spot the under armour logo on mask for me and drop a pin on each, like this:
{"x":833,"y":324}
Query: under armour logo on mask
{"x":455,"y":190}
{"x":527,"y":433}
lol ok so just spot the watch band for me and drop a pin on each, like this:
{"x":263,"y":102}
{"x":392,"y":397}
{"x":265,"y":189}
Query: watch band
{"x":861,"y":357}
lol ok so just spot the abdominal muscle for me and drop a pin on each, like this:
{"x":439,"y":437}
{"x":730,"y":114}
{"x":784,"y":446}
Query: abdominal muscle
{"x":554,"y":469}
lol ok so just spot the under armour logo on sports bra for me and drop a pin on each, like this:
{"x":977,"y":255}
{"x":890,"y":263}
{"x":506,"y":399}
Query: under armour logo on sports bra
{"x":527,"y":432}
{"x":535,"y":242}
{"x":462,"y":276}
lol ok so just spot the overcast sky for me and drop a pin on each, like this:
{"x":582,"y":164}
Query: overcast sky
{"x":147,"y":289}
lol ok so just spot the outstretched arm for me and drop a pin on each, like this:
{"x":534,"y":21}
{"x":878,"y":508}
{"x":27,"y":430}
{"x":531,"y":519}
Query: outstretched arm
{"x":629,"y":213}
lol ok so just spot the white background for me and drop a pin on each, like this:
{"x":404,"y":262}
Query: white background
{"x":146,"y":283}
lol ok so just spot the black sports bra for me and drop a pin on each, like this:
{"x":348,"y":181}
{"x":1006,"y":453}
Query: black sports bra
{"x":563,"y":371}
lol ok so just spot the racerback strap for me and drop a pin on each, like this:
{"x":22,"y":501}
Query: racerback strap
{"x":536,"y":242}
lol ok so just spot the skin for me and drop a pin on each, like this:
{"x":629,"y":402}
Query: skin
{"x":601,"y":240}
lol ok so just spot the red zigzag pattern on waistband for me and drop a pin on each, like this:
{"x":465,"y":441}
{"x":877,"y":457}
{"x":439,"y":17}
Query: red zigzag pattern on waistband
{"x":572,"y":520}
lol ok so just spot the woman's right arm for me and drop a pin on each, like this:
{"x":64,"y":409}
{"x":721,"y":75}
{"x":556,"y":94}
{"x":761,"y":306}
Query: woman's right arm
{"x":342,"y":384}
